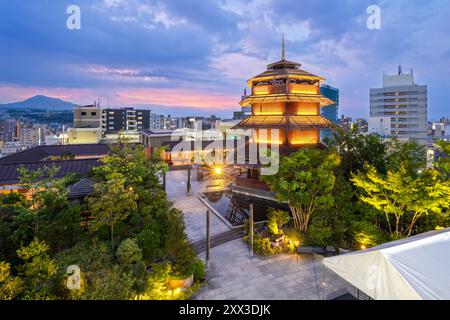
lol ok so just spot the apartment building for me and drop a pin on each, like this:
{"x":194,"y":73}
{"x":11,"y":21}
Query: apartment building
{"x":404,"y":103}
{"x":125,"y":119}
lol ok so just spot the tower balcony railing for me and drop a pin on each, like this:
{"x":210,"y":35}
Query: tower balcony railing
{"x":294,"y":88}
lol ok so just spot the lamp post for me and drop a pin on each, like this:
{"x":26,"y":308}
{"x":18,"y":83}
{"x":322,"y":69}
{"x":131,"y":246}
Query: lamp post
{"x":189,"y":182}
{"x":208,"y":237}
{"x":164,"y":181}
{"x":250,"y":229}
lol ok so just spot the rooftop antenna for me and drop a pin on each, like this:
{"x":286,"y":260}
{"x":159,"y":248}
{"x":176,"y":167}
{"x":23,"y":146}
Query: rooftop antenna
{"x":283,"y":53}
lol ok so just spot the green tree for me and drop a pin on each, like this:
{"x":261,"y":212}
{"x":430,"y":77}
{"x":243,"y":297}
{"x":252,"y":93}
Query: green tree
{"x":48,"y":214}
{"x":305,"y":181}
{"x":130,"y":260}
{"x":149,"y":239}
{"x":443,"y":163}
{"x":101,"y":277}
{"x":128,"y":252}
{"x":410,"y":155}
{"x":38,"y":271}
{"x":320,"y":232}
{"x":356,"y":149}
{"x":10,"y":286}
{"x":402,"y":197}
{"x":111,"y":284}
{"x":112,"y":202}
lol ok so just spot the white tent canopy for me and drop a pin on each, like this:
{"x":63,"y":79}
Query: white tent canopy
{"x":415,"y":268}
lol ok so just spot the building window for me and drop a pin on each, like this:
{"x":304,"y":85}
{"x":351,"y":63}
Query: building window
{"x":93,"y":113}
{"x":83,"y":113}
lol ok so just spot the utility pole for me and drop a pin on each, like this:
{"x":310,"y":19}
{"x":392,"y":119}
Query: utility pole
{"x":208,"y":237}
{"x":250,"y":229}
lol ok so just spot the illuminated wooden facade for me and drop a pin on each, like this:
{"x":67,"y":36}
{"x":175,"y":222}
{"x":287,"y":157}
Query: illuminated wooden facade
{"x":286,"y":98}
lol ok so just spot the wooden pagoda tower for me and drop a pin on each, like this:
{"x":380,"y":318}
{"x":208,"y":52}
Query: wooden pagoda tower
{"x":286,"y":98}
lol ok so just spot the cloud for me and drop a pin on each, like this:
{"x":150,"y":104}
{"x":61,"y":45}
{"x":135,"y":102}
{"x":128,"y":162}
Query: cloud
{"x":129,"y":51}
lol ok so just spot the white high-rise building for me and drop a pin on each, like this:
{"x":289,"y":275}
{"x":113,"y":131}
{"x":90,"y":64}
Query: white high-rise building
{"x":404,"y":103}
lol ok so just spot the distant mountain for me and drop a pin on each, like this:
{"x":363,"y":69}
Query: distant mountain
{"x":40,"y":102}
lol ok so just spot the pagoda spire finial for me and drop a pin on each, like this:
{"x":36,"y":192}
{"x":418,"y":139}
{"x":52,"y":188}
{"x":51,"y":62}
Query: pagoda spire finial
{"x":283,"y":52}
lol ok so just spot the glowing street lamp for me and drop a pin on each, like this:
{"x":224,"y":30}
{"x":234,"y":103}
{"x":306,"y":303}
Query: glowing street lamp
{"x":218,"y":170}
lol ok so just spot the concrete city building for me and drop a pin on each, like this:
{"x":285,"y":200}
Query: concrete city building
{"x":440,"y":130}
{"x":244,"y":113}
{"x":362,"y":125}
{"x":32,"y":135}
{"x":345,"y":123}
{"x":87,"y":125}
{"x":8,"y":130}
{"x":125,"y":119}
{"x":330,"y":112}
{"x":87,"y":116}
{"x":380,"y":125}
{"x":156,"y":121}
{"x":84,"y":135}
{"x":405,"y":103}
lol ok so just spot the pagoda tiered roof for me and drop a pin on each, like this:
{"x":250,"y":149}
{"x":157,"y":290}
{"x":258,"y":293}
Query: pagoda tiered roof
{"x":292,"y":122}
{"x":285,"y":69}
{"x":289,"y":97}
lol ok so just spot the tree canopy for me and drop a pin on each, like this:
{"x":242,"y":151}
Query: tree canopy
{"x":117,"y":238}
{"x":305,"y":181}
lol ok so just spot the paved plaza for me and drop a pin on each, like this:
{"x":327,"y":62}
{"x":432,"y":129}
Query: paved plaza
{"x":232,"y":274}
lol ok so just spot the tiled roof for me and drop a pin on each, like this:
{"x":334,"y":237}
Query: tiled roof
{"x":9,"y":174}
{"x":41,"y":152}
{"x":82,"y":188}
{"x":151,"y":132}
{"x":190,"y":145}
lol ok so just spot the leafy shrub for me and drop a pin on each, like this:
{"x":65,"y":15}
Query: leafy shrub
{"x":150,"y":243}
{"x":129,"y":252}
{"x":158,"y":282}
{"x":319,"y":233}
{"x":197,"y":268}
{"x":294,"y":237}
{"x":277,"y":218}
{"x":176,"y":240}
{"x":367,"y":234}
{"x":183,"y":261}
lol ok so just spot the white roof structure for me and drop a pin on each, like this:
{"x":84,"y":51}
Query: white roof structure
{"x":416,"y":268}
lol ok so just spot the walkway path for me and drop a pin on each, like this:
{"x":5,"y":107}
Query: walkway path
{"x":218,"y":239}
{"x":233,"y":275}
{"x":193,"y":209}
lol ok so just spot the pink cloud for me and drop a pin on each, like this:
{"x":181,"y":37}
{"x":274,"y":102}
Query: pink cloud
{"x":177,"y":97}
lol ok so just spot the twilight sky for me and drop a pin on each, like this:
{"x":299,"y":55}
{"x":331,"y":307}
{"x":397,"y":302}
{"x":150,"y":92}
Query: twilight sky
{"x":195,"y":56}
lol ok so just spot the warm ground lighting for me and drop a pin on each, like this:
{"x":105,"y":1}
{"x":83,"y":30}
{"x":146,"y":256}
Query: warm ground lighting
{"x":218,"y":170}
